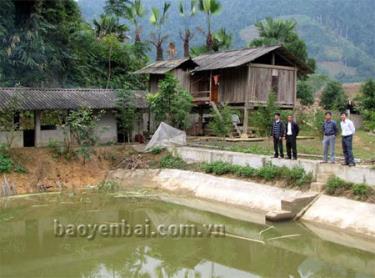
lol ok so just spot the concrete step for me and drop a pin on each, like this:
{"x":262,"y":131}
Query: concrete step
{"x":280,"y":215}
{"x":317,"y":186}
{"x":296,"y":204}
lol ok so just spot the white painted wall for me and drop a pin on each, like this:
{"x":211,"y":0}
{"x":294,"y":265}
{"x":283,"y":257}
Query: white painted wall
{"x":17,"y":141}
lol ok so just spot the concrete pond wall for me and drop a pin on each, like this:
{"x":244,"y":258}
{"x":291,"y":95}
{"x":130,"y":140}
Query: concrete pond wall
{"x":331,"y":212}
{"x":350,"y":174}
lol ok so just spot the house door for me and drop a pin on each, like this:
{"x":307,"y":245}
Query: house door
{"x":214,"y":90}
{"x":29,"y":138}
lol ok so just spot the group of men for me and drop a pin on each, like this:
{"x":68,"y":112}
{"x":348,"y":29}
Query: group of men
{"x":290,"y":131}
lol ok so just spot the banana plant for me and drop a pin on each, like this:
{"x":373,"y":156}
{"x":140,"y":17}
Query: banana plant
{"x":158,"y":20}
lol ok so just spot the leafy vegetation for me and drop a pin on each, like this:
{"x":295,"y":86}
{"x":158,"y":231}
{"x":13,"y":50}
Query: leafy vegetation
{"x":337,"y":186}
{"x":279,"y":31}
{"x":263,"y":117}
{"x":305,"y":93}
{"x":46,"y":43}
{"x":108,"y":186}
{"x":367,"y":104}
{"x":6,"y":164}
{"x":294,"y":177}
{"x":171,"y":104}
{"x":126,"y":112}
{"x":333,"y":97}
{"x":172,"y":162}
{"x":82,"y":123}
{"x":221,"y":123}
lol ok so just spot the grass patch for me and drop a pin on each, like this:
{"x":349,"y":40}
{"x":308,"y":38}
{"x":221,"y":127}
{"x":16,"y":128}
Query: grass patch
{"x":108,"y":186}
{"x":358,"y":191}
{"x":296,"y":176}
{"x":6,"y":164}
{"x":172,"y":162}
{"x":157,"y":150}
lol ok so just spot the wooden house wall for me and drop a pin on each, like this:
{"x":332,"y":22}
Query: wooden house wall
{"x":183,"y":77}
{"x":262,"y":84}
{"x":154,"y":82}
{"x":233,"y":85}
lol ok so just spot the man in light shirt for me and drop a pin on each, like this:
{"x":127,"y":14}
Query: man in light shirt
{"x":347,"y":132}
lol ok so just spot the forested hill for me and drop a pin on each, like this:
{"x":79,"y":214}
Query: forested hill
{"x":340,"y":34}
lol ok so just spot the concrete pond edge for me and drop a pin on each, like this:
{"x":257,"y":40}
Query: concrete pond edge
{"x":332,"y":212}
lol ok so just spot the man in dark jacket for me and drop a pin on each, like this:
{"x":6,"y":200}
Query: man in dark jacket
{"x":278,"y":130}
{"x":291,"y":131}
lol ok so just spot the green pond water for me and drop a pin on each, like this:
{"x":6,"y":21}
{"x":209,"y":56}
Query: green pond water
{"x":33,"y":242}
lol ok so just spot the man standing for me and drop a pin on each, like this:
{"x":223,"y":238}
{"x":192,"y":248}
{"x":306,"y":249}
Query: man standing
{"x":329,"y":141}
{"x":278,"y":130}
{"x":292,"y":130}
{"x":348,"y":130}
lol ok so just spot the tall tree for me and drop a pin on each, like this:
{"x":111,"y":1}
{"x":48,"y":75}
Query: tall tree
{"x":187,"y":11}
{"x":210,"y":8}
{"x":133,"y":11}
{"x":111,"y":32}
{"x":280,"y":31}
{"x":158,"y":20}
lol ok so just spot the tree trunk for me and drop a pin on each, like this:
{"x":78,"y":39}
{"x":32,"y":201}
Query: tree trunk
{"x":159,"y":52}
{"x":210,"y":41}
{"x":187,"y":44}
{"x":137,"y":35}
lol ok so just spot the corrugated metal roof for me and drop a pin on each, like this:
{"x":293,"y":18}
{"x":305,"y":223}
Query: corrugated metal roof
{"x":230,"y":59}
{"x":162,"y":67}
{"x":57,"y":98}
{"x":223,"y":60}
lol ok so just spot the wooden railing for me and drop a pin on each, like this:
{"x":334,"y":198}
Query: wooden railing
{"x":201,"y":96}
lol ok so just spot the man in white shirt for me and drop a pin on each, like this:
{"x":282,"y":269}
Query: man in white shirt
{"x":347,"y":132}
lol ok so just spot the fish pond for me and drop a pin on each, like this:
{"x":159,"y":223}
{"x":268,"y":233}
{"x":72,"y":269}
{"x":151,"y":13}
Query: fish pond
{"x":140,"y":234}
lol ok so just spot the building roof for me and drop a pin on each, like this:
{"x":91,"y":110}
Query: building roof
{"x":162,"y":67}
{"x":237,"y":58}
{"x":226,"y":59}
{"x":63,"y":99}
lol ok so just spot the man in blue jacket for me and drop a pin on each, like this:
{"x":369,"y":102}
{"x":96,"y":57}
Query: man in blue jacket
{"x":278,"y":129}
{"x":329,"y":140}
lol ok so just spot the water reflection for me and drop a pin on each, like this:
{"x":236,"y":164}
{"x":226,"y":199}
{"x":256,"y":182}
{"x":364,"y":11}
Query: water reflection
{"x":28,"y":247}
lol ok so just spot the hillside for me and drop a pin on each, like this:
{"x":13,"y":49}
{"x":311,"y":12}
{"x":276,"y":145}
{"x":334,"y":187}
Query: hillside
{"x":340,"y":34}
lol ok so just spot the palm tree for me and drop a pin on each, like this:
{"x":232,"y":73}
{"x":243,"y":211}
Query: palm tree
{"x":282,"y":32}
{"x":222,"y":40}
{"x":110,"y":31}
{"x":158,"y":20}
{"x":187,"y":12}
{"x":275,"y":31}
{"x":134,"y":13}
{"x":210,"y":8}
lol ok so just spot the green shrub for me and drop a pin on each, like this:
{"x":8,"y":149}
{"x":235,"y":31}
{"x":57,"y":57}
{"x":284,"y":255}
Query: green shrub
{"x":218,"y":168}
{"x":296,"y":176}
{"x":361,"y":190}
{"x":20,"y":169}
{"x":172,"y":162}
{"x":157,"y":150}
{"x":4,"y":150}
{"x":6,"y":164}
{"x":246,"y":172}
{"x":108,"y":186}
{"x":221,"y":125}
{"x":269,"y":172}
{"x":335,"y":183}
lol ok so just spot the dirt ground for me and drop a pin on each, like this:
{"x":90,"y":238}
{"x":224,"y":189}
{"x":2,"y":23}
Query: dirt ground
{"x":47,"y":173}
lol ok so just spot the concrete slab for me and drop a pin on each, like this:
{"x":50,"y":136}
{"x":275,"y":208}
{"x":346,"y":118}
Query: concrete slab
{"x":345,"y":214}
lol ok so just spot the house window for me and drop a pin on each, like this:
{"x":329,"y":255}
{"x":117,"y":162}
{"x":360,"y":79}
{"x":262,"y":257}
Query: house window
{"x":275,"y":81}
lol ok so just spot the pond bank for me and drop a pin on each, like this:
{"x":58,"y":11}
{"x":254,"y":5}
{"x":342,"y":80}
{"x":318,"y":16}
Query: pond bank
{"x":321,"y":172}
{"x":339,"y":213}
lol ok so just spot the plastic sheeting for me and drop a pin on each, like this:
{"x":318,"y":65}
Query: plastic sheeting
{"x":167,"y":136}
